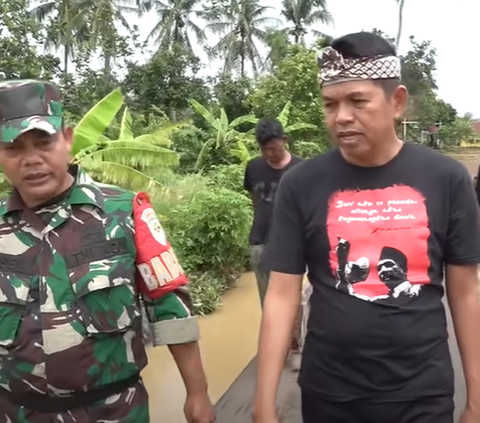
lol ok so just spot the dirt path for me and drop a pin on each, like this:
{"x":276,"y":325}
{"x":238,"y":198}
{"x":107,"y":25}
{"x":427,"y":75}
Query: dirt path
{"x":469,"y":156}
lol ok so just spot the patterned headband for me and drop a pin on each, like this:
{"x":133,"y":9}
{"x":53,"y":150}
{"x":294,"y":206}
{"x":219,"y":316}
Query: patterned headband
{"x":334,"y":68}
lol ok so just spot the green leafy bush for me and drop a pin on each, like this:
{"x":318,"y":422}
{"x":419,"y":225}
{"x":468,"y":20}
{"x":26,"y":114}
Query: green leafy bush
{"x":210,"y":236}
{"x":229,"y":176}
{"x":206,"y":291}
{"x":181,"y":189}
{"x":188,"y":143}
{"x":308,"y":149}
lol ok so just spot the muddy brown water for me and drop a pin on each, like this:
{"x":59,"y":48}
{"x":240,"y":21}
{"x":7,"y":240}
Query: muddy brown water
{"x":229,"y":342}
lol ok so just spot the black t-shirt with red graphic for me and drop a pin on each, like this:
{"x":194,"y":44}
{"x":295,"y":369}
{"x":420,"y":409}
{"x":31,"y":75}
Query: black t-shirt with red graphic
{"x":375,"y":241}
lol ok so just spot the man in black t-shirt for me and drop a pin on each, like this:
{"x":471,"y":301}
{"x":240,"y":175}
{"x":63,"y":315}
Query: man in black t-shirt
{"x":389,"y":222}
{"x":262,"y":176}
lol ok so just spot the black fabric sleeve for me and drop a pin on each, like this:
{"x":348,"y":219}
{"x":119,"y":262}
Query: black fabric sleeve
{"x":285,"y":250}
{"x":246,"y":179}
{"x":463,"y":235}
{"x":477,"y":185}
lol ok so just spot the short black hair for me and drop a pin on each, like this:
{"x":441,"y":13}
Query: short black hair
{"x":268,"y":130}
{"x":368,"y":45}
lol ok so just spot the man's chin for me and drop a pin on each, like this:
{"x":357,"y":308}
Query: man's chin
{"x":36,"y":195}
{"x":351,"y":145}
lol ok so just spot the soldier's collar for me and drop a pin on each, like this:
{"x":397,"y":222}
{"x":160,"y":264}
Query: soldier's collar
{"x":84,"y":191}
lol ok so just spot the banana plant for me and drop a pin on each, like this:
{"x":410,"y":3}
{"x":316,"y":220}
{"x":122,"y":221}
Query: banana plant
{"x":284,"y":119}
{"x":242,"y":151}
{"x":129,"y":161}
{"x":226,"y":134}
{"x":5,"y":186}
{"x":92,"y":126}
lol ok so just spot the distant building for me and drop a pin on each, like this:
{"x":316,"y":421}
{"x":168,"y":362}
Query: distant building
{"x":476,"y":127}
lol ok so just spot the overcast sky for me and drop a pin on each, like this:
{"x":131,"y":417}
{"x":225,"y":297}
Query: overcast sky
{"x":453,"y":28}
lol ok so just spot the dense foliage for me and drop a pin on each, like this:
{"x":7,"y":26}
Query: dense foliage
{"x":159,"y":125}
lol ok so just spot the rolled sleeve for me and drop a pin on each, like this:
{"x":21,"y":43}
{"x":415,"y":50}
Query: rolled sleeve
{"x":171,"y":319}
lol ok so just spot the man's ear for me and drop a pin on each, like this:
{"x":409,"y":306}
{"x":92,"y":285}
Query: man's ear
{"x":68,"y":136}
{"x":400,"y":98}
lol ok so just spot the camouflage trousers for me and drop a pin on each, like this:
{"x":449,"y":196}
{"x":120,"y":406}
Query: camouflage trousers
{"x":131,"y":406}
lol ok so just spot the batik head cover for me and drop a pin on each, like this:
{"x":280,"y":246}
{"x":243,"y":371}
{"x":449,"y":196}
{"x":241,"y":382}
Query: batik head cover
{"x":334,"y":68}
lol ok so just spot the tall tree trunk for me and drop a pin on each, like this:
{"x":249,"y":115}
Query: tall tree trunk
{"x":66,"y":55}
{"x":107,"y":65}
{"x":296,"y":33}
{"x":401,"y":3}
{"x":243,"y":54}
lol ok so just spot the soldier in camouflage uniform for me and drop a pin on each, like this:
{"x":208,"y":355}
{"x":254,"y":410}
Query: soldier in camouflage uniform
{"x":71,"y":345}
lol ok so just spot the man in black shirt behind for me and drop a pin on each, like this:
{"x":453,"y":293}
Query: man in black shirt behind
{"x":379,"y":223}
{"x":262,"y":176}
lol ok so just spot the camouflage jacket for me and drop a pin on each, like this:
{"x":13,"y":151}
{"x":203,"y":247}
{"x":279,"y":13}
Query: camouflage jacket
{"x":70,"y":315}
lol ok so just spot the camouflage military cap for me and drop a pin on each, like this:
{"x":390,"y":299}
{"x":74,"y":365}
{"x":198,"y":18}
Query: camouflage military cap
{"x":27,"y":105}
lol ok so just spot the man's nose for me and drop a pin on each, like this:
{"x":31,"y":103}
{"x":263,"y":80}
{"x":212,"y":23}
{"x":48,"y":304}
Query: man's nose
{"x":344,"y":115}
{"x":30,"y":157}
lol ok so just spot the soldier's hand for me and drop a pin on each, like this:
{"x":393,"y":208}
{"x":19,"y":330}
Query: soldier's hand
{"x":199,"y":409}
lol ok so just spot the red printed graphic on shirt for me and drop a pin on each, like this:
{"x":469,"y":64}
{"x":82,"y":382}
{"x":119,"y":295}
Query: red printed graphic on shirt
{"x":379,"y":242}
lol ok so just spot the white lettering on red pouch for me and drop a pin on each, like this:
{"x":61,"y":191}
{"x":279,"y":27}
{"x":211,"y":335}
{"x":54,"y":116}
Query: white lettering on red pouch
{"x":156,"y":261}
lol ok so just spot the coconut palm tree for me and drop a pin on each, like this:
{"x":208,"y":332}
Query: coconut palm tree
{"x":104,"y":17}
{"x":176,"y":22}
{"x":66,"y":27}
{"x":303,"y":14}
{"x":80,"y":24}
{"x":241,"y":26}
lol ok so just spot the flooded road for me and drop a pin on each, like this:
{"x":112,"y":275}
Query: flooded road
{"x":229,"y":342}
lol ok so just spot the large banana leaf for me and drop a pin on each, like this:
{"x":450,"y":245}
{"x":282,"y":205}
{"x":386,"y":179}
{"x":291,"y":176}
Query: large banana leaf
{"x":96,"y":121}
{"x":299,"y":126}
{"x":5,"y":186}
{"x":285,"y":114}
{"x":241,"y":152}
{"x":244,"y":119}
{"x":128,"y":177}
{"x":132,"y":153}
{"x":207,"y":146}
{"x":162,"y":136}
{"x":224,"y":127}
{"x":206,"y":114}
{"x":126,"y":133}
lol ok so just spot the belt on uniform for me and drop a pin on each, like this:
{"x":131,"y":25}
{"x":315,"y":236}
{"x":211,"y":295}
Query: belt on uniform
{"x":48,"y":404}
